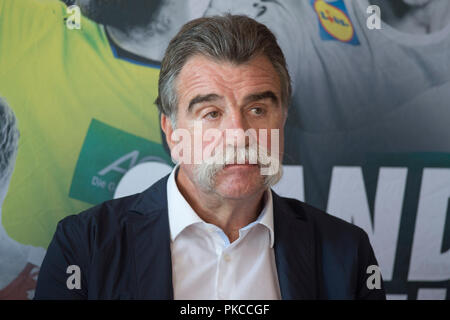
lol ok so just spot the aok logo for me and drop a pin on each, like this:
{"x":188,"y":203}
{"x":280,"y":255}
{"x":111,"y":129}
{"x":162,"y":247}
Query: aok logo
{"x":107,"y":154}
{"x":334,"y":21}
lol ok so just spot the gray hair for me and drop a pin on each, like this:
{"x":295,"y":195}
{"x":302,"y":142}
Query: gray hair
{"x":9,"y":140}
{"x":231,"y":38}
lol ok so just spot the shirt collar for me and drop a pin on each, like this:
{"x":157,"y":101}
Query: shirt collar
{"x":266,"y":216}
{"x":181,"y":214}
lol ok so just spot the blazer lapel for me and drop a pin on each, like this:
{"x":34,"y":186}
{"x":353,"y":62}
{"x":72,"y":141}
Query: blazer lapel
{"x":149,"y":236}
{"x":294,"y":250}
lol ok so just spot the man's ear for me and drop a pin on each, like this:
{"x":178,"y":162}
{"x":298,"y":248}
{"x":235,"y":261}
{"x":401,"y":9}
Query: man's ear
{"x":166,"y":126}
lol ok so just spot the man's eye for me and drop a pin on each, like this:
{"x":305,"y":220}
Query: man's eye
{"x":257,"y":111}
{"x":212,"y":115}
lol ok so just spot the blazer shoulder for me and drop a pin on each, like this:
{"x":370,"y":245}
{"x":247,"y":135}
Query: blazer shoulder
{"x":106,"y":214}
{"x":106,"y":221}
{"x":151,"y":199}
{"x":325,"y":224}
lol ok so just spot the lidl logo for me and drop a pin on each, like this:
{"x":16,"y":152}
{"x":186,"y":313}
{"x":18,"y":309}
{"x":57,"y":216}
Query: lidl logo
{"x":334,"y":21}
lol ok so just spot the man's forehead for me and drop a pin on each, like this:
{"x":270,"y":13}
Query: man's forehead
{"x":200,"y":65}
{"x":203,"y":75}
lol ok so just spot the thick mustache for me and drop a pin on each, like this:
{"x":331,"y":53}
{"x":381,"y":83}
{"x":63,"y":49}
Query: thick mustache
{"x":207,"y":171}
{"x":239,"y":155}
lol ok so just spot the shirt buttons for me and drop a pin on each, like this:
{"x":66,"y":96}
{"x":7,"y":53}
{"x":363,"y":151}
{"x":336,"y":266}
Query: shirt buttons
{"x":226,"y":257}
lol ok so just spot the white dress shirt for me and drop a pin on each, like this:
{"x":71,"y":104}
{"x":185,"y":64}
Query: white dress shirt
{"x":204,"y":263}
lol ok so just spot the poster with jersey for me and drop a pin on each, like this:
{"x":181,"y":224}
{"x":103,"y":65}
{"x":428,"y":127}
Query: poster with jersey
{"x":366,"y":138}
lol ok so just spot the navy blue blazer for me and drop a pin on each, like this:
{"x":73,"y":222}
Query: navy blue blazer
{"x":122,"y":248}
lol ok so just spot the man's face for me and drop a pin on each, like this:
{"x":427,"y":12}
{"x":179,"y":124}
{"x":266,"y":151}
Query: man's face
{"x":229,"y":98}
{"x":120,"y":13}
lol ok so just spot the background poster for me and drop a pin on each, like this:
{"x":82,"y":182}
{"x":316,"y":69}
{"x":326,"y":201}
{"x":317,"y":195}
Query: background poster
{"x":367,"y":137}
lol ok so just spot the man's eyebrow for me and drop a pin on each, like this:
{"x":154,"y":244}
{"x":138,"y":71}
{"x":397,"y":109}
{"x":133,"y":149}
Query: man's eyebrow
{"x":261,"y":96}
{"x":203,"y":98}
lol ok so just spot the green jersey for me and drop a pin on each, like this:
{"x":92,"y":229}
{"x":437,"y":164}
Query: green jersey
{"x":85,"y":115}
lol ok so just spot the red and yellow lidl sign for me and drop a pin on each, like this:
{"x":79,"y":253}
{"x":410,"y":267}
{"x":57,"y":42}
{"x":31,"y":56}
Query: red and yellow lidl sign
{"x":334,"y":21}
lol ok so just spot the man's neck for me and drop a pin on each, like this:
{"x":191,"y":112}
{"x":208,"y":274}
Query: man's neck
{"x":151,"y":41}
{"x":228,"y":214}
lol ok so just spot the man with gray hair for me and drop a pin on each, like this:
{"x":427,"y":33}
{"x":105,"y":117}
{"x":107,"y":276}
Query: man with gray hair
{"x":213,"y":228}
{"x":9,"y":141}
{"x":19,"y":263}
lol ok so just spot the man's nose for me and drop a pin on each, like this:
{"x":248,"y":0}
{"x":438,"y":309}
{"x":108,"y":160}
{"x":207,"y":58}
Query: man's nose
{"x":236,"y":120}
{"x":234,"y":129}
